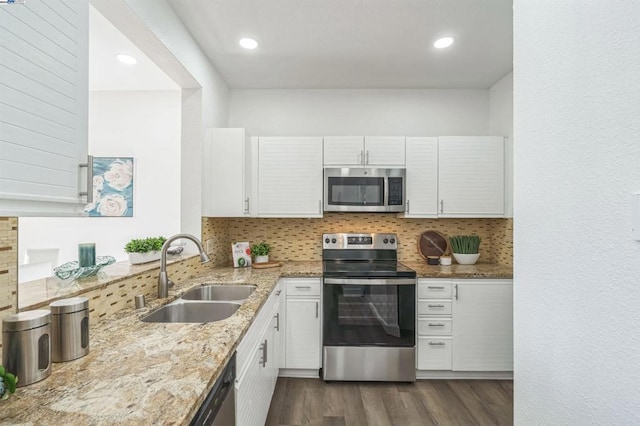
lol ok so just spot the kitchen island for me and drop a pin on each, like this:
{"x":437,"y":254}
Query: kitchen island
{"x":151,"y":373}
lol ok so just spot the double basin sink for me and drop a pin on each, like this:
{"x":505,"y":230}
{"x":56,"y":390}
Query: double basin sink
{"x":207,"y":303}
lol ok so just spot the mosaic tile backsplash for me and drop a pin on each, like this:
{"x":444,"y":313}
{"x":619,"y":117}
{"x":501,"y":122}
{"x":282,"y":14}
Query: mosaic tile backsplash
{"x":8,"y":266}
{"x":300,"y":239}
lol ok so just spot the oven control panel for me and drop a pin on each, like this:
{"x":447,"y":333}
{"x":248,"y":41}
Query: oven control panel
{"x":373,"y":241}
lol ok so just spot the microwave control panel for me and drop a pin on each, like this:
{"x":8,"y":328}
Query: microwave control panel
{"x":395,"y":197}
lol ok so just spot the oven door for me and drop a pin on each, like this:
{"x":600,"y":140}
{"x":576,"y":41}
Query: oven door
{"x":369,"y":312}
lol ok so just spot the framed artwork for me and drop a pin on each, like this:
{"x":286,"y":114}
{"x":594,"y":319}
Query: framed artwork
{"x":112,"y":187}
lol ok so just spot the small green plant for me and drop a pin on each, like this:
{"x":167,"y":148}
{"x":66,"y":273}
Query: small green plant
{"x":145,"y":245}
{"x":261,"y":249}
{"x":7,"y":383}
{"x":465,"y":244}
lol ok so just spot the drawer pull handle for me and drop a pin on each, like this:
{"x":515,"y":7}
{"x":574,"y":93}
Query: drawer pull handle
{"x":436,"y":343}
{"x":436,"y":325}
{"x":307,"y":287}
{"x":436,"y":287}
{"x":436,"y":306}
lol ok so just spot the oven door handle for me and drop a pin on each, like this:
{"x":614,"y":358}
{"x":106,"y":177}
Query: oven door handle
{"x":372,"y":281}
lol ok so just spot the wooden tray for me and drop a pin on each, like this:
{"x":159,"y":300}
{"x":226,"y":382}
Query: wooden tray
{"x":265,"y":265}
{"x":433,"y":243}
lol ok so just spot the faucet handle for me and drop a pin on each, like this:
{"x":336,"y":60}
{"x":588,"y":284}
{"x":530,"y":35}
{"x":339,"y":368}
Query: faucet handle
{"x":170,"y":283}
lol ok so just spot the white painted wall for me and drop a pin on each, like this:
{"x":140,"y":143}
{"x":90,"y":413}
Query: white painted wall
{"x":360,"y":112}
{"x":577,"y":270}
{"x":501,"y":123}
{"x":140,"y":124}
{"x":202,"y":110}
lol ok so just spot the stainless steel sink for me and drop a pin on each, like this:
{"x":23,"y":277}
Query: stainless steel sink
{"x":220,"y":292}
{"x":193,"y":312}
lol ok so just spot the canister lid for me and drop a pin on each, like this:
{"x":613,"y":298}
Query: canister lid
{"x":26,"y":320}
{"x":69,"y":306}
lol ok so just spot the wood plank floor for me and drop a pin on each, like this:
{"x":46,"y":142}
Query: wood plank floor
{"x":426,"y":402}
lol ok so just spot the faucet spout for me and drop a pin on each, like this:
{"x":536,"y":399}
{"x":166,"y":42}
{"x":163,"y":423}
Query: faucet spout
{"x":163,"y":279}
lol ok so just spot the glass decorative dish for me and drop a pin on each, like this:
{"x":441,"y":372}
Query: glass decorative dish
{"x":73,"y":270}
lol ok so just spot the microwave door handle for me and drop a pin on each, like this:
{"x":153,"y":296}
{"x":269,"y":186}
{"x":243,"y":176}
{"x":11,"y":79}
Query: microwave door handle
{"x":386,"y":193}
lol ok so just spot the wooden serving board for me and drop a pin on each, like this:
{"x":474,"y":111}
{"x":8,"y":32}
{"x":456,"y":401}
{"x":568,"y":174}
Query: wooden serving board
{"x":265,"y":265}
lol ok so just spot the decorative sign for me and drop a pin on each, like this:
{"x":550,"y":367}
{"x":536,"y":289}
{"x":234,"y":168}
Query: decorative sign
{"x":112,"y":187}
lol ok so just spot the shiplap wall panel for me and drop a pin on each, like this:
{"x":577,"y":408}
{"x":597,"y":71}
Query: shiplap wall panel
{"x":43,"y":99}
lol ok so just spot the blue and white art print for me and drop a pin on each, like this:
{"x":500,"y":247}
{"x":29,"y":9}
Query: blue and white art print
{"x":112,"y":187}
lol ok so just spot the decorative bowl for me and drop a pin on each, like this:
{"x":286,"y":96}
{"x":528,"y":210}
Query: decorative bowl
{"x":72,"y":270}
{"x":466,"y":259}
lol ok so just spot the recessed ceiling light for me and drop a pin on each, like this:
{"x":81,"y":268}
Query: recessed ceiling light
{"x":126,"y":59}
{"x":248,"y":43}
{"x":443,"y":42}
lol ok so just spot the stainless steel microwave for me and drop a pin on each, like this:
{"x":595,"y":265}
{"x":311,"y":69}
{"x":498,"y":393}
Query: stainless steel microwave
{"x":364,"y":190}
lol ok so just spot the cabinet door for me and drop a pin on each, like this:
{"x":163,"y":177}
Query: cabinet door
{"x":290,"y":177}
{"x":483,"y":325}
{"x":422,"y":177}
{"x":303,"y":333}
{"x":343,"y":151}
{"x":226,"y":183}
{"x":250,"y":387}
{"x":471,"y":176}
{"x":384,"y":151}
{"x":43,"y":112}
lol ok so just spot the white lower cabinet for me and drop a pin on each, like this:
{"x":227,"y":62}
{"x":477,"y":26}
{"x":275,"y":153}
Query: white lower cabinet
{"x":302,"y":345}
{"x":434,"y":325}
{"x":434,"y":353}
{"x":483,"y":325}
{"x":258,"y":365}
{"x":465,"y":325}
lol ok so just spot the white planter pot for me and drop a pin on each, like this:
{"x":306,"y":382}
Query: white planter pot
{"x":262,"y":259}
{"x":138,"y":258}
{"x":466,"y":259}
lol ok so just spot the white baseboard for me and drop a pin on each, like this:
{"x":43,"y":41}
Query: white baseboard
{"x":313,"y":373}
{"x":481,"y":375}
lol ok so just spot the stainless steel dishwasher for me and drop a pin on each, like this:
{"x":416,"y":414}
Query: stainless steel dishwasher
{"x":218,"y":409}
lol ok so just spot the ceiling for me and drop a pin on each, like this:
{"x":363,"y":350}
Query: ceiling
{"x":353,"y":43}
{"x":107,"y":73}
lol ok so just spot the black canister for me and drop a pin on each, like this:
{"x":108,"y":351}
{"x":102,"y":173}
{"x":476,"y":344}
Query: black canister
{"x":69,"y":329}
{"x":26,"y":346}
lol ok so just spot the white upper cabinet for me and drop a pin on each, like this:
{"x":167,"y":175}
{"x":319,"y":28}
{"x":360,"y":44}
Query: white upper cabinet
{"x":358,"y":151}
{"x":289,"y":178}
{"x":471,"y":176}
{"x":43,"y":108}
{"x":343,"y":150}
{"x":226,"y":174}
{"x":422,"y":178}
{"x":384,"y":151}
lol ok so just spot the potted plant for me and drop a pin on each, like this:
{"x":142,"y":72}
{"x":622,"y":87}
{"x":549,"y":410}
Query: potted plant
{"x":260,"y":252}
{"x":144,"y":250}
{"x":465,"y":248}
{"x":7,"y":383}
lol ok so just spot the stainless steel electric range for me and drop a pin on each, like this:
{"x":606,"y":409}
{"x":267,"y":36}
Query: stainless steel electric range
{"x":368,"y":305}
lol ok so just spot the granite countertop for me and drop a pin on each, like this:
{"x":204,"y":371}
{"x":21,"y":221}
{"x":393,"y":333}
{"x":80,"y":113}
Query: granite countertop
{"x":479,"y":270}
{"x":154,"y":373}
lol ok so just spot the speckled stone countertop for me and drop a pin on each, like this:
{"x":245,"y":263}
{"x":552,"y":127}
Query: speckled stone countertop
{"x":479,"y":270}
{"x":153,"y":373}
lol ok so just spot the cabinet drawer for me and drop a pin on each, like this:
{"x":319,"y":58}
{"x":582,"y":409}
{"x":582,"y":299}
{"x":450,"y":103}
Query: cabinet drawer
{"x":434,"y":326}
{"x":434,"y":289}
{"x":303,"y":287}
{"x":434,"y":307}
{"x":434,"y":353}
